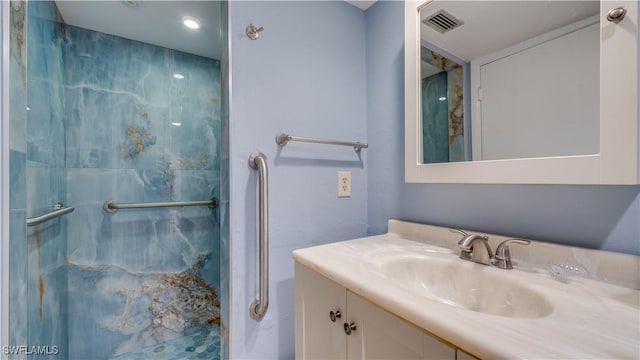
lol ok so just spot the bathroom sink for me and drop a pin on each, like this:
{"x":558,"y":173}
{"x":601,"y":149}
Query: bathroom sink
{"x":466,"y":285}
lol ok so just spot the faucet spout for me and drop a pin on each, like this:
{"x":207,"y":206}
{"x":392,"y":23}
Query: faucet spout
{"x":502,"y":257}
{"x":467,"y":246}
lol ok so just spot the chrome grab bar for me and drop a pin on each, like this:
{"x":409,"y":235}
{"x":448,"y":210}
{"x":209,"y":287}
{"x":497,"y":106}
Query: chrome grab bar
{"x":58,"y":210}
{"x":258,"y":308}
{"x":112,"y":206}
{"x":282,"y":139}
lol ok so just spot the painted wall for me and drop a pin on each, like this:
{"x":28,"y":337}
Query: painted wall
{"x":603,"y":217}
{"x":135,"y":133}
{"x":305,"y":75}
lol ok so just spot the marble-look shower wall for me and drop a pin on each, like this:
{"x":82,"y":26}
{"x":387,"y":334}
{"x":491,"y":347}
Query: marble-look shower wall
{"x":142,"y":125}
{"x":47,"y":317}
{"x":443,"y":115}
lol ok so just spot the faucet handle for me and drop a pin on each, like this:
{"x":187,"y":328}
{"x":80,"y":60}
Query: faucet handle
{"x":503,"y":254}
{"x":459,"y":231}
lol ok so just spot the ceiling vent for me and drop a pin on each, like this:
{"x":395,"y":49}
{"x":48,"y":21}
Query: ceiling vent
{"x":442,"y":21}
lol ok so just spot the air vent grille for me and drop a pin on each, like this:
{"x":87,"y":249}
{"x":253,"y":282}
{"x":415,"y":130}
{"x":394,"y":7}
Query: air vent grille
{"x":442,"y":21}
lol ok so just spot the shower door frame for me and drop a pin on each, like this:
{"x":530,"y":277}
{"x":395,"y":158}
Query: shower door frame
{"x":4,"y":176}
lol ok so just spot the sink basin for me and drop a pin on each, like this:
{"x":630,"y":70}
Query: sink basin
{"x":466,"y":285}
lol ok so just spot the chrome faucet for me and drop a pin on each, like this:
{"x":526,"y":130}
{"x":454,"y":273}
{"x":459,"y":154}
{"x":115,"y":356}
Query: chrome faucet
{"x":502,"y":257}
{"x":467,"y":247}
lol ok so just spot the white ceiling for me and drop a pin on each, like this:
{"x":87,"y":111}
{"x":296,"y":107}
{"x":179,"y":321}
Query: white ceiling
{"x":151,"y":21}
{"x":493,"y":25}
{"x":362,"y":4}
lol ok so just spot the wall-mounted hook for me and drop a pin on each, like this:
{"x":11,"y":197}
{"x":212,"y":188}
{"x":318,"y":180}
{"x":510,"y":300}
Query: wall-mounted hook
{"x":253,"y":32}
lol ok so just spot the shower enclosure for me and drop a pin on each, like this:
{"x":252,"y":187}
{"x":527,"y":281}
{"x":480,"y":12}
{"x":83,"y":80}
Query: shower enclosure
{"x":117,"y":101}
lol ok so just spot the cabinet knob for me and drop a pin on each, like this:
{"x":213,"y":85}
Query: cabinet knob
{"x":334,"y":315}
{"x":348,"y":328}
{"x":616,"y":14}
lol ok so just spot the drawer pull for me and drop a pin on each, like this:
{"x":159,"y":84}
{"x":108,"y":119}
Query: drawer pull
{"x":334,"y":315}
{"x":348,"y":328}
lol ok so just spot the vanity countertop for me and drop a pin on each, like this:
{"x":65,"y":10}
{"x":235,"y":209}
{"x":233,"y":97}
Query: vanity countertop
{"x":596,"y":304}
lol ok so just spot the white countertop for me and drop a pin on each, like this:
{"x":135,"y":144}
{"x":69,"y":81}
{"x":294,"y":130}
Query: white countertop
{"x":590,"y":319}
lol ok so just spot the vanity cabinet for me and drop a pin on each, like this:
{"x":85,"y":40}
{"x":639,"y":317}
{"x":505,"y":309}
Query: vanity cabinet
{"x":361,"y":330}
{"x":317,"y":337}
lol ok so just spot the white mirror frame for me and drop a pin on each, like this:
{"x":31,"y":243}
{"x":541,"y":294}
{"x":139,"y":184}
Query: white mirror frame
{"x":617,"y":163}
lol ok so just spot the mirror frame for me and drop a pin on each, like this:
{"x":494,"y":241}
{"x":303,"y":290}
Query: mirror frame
{"x":618,"y":161}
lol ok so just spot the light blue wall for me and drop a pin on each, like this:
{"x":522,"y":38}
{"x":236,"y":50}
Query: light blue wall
{"x":306,"y":76}
{"x":385,"y":112}
{"x":603,"y":217}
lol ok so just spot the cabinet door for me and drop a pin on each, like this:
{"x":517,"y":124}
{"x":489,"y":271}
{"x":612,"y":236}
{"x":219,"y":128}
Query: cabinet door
{"x":381,"y":335}
{"x":317,"y":337}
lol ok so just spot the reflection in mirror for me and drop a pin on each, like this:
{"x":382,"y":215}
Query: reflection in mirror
{"x":443,"y":102}
{"x":530,"y":75}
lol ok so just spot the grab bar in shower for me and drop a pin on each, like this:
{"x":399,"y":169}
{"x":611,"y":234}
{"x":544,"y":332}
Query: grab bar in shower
{"x":58,"y":210}
{"x":112,"y":206}
{"x":282,"y":139}
{"x":258,"y":161}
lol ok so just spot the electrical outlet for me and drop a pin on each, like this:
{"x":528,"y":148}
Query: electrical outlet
{"x":344,"y":183}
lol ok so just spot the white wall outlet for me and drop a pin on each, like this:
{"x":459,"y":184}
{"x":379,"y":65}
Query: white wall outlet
{"x":344,"y":183}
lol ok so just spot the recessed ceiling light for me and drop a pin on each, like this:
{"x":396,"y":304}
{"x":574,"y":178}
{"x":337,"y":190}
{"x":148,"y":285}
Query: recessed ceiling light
{"x":176,"y":124}
{"x":191,"y":22}
{"x":178,"y":76}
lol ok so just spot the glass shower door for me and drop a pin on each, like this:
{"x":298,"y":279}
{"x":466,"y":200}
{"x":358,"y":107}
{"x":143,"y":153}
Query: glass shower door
{"x":131,"y":113}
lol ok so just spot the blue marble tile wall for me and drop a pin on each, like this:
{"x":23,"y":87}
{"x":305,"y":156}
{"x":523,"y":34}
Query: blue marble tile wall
{"x":435,"y":119}
{"x":136,"y":133}
{"x":18,"y":176}
{"x":443,"y":106}
{"x":47,"y":317}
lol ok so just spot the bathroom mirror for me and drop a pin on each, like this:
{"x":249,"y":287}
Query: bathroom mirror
{"x":534,"y":70}
{"x":546,"y":104}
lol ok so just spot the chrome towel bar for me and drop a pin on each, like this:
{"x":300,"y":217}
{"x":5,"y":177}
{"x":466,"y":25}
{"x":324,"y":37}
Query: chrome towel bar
{"x":282,"y":139}
{"x":112,"y":206}
{"x":58,"y":210}
{"x":258,"y":308}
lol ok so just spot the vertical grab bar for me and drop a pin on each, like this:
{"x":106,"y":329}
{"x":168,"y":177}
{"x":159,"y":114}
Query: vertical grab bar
{"x":258,"y":161}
